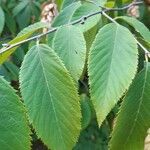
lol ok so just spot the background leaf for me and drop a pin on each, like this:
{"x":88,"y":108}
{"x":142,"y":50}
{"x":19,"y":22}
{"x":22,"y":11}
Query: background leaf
{"x":24,"y":34}
{"x":86,"y":111}
{"x":59,"y":3}
{"x":112,"y":66}
{"x":14,"y":129}
{"x":20,"y":7}
{"x":90,"y":36}
{"x":63,"y":18}
{"x":65,"y":15}
{"x":133,"y":120}
{"x":67,"y":3}
{"x":138,"y":26}
{"x":51,"y":98}
{"x":85,"y":9}
{"x":2,"y":20}
{"x":99,"y":2}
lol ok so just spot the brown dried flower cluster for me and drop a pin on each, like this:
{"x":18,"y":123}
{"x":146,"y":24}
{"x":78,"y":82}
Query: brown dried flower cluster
{"x":49,"y":11}
{"x":147,"y":2}
{"x":134,"y":11}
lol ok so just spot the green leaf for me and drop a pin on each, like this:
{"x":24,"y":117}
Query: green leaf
{"x":14,"y":129}
{"x":63,"y":18}
{"x":67,"y":3}
{"x":86,"y":111}
{"x":112,"y":66}
{"x":70,"y":45}
{"x":24,"y":34}
{"x":84,"y":10}
{"x":4,"y":72}
{"x":13,"y":69}
{"x":139,"y":26}
{"x":133,"y":120}
{"x":59,"y":3}
{"x":20,"y":7}
{"x":10,"y":23}
{"x":90,"y":36}
{"x":51,"y":98}
{"x":66,"y":14}
{"x":24,"y":17}
{"x":99,"y":2}
{"x":2,"y":20}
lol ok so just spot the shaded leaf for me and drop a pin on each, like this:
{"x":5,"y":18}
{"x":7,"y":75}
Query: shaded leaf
{"x":138,"y":26}
{"x":67,"y":3}
{"x":133,"y":120}
{"x":24,"y":34}
{"x":20,"y":7}
{"x":66,"y":14}
{"x":86,"y":111}
{"x":2,"y":20}
{"x":90,"y":36}
{"x":84,"y":10}
{"x":14,"y":129}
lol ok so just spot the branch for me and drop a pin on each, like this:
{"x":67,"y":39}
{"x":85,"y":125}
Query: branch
{"x":134,"y":3}
{"x":81,"y":20}
{"x":147,"y":53}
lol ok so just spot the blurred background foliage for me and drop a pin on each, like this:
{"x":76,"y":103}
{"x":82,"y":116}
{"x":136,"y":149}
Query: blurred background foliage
{"x":18,"y":14}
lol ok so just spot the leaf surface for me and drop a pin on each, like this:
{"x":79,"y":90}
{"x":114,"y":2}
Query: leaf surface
{"x":99,"y":2}
{"x":67,"y":3}
{"x":50,"y":95}
{"x":133,"y":120}
{"x":14,"y":129}
{"x":24,"y":34}
{"x":86,"y":9}
{"x":138,"y":26}
{"x":70,"y":45}
{"x":2,"y":20}
{"x":111,"y":67}
{"x":66,"y":14}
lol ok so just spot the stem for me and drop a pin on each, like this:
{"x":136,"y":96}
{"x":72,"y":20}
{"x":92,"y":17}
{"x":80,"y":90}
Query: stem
{"x":111,"y":19}
{"x":140,"y":45}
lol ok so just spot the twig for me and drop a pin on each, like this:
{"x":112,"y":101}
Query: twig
{"x":108,"y":17}
{"x":81,"y":20}
{"x":147,"y":53}
{"x":118,"y":9}
{"x":26,"y":40}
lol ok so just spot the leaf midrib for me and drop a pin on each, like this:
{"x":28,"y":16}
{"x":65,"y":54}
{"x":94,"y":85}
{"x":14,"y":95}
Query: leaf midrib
{"x":140,"y":104}
{"x":50,"y":95}
{"x":110,"y":68}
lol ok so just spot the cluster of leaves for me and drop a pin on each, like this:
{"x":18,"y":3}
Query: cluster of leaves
{"x":72,"y":76}
{"x":16,"y":15}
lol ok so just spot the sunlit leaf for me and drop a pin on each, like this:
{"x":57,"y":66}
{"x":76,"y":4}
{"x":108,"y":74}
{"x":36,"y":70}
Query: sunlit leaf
{"x":51,"y":98}
{"x":112,"y":66}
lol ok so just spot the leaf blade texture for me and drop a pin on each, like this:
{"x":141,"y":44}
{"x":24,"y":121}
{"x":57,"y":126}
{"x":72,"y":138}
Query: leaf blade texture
{"x":138,"y":26}
{"x":51,"y":98}
{"x":24,"y":34}
{"x":84,"y":10}
{"x":66,"y":14}
{"x":2,"y":20}
{"x":67,"y":3}
{"x":14,"y":129}
{"x":112,"y":66}
{"x":70,"y":45}
{"x":134,"y":115}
